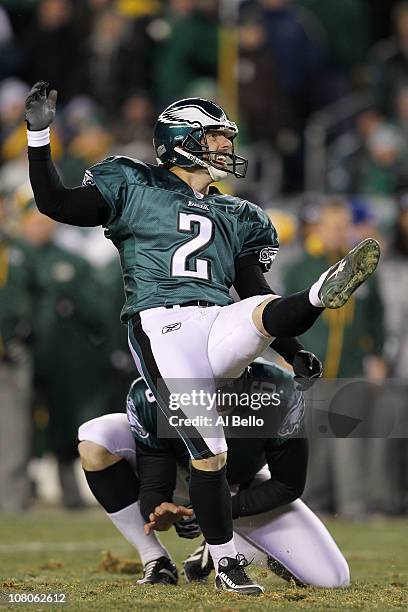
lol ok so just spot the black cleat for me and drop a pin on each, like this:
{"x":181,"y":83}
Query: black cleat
{"x":348,"y":274}
{"x":233,"y":577}
{"x":198,"y":565}
{"x":159,"y":571}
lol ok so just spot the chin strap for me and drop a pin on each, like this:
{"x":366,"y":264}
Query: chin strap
{"x":215,"y":173}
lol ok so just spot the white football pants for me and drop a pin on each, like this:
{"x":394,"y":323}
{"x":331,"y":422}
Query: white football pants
{"x":180,"y":350}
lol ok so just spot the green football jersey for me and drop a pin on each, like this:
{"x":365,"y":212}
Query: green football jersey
{"x":175,"y":244}
{"x":265,"y":377}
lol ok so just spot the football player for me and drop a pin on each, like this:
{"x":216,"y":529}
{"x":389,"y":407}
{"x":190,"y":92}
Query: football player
{"x":182,"y":246}
{"x":266,"y":475}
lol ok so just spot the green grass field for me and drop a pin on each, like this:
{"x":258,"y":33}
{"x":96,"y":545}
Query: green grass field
{"x":50,"y":551}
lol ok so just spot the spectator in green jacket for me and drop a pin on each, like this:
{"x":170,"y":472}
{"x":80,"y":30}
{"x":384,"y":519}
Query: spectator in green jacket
{"x":350,"y":345}
{"x":70,"y":354}
{"x":16,"y":314}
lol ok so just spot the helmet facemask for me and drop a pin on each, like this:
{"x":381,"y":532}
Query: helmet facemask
{"x":195,"y":147}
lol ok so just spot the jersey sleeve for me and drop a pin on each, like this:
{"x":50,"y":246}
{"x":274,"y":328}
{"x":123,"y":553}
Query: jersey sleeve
{"x":141,"y":410}
{"x":291,"y":408}
{"x":110,"y":179}
{"x":288,"y":466}
{"x":261,"y":242}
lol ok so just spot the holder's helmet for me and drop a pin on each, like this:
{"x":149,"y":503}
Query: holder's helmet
{"x":180,"y":138}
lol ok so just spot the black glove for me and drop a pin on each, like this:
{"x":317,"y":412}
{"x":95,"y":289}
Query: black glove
{"x":40,"y":110}
{"x":188,"y":527}
{"x":306,"y":367}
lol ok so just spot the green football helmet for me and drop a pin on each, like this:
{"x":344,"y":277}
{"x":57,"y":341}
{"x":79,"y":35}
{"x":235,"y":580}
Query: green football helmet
{"x":180,"y":138}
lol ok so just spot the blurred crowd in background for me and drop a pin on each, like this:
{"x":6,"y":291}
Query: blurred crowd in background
{"x":322,"y":90}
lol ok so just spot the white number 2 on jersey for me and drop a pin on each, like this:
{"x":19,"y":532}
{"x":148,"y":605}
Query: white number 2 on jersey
{"x":183,"y":255}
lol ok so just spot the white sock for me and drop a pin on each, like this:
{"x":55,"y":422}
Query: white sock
{"x":218,"y":551}
{"x":130,"y":523}
{"x":314,"y":291}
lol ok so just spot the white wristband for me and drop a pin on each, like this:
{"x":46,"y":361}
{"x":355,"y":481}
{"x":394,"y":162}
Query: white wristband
{"x":39,"y":138}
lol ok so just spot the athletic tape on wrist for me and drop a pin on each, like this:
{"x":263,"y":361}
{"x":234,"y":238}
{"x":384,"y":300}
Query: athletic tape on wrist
{"x":39,"y":138}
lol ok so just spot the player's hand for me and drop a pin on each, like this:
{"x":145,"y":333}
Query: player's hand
{"x":40,"y":110}
{"x":188,"y":527}
{"x":307,"y":368}
{"x":165,"y":515}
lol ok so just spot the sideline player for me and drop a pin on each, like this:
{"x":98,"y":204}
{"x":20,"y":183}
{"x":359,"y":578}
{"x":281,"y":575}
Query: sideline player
{"x":267,"y":474}
{"x":182,"y":246}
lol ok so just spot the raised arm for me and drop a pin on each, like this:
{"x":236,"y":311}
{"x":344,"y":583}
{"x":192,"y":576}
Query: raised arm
{"x":83,"y":206}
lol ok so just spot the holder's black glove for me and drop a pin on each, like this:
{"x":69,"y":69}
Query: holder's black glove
{"x":306,"y":367}
{"x":188,"y":527}
{"x":40,"y":110}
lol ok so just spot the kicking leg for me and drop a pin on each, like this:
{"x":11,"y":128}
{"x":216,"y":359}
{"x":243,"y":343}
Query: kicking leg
{"x":295,"y":314}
